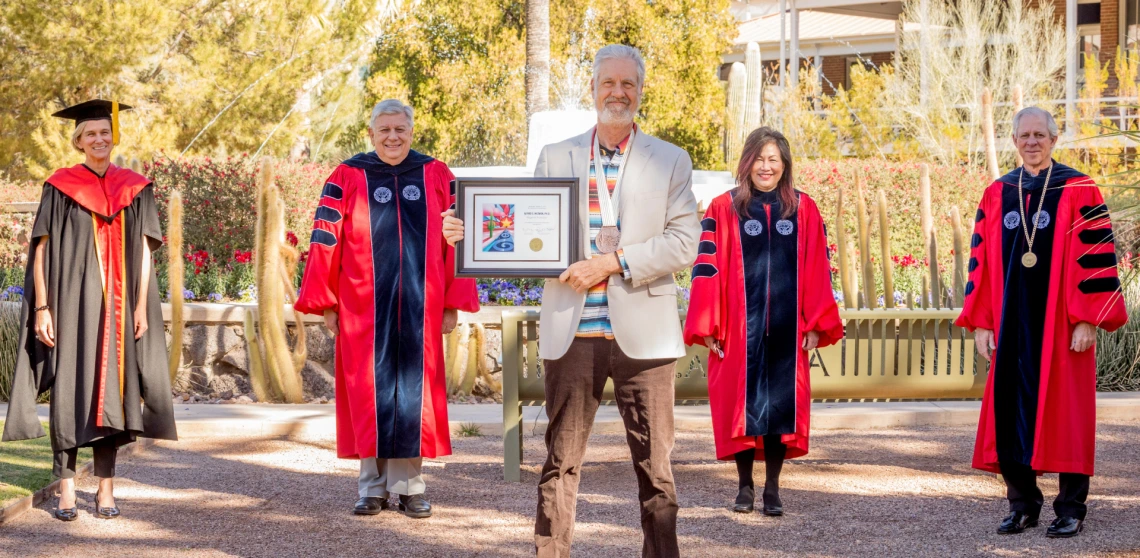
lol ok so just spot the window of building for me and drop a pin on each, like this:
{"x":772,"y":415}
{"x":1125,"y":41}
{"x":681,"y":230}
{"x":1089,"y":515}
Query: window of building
{"x":853,"y":61}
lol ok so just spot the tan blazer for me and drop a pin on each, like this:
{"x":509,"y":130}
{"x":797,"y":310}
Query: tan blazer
{"x":659,"y":233}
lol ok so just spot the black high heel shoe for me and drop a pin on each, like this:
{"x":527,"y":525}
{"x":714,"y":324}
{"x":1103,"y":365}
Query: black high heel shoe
{"x":772,"y":505}
{"x":105,"y":513}
{"x":745,"y":500}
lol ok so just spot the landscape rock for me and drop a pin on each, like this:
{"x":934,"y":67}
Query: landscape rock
{"x":317,"y":380}
{"x":319,"y":343}
{"x":207,"y":344}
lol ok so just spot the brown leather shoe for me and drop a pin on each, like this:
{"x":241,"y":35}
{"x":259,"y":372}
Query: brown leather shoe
{"x":370,"y":505}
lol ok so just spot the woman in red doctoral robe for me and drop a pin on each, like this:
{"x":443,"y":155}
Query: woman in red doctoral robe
{"x":378,"y":259}
{"x":762,"y":295}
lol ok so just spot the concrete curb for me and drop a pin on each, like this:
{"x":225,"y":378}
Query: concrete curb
{"x":17,"y":507}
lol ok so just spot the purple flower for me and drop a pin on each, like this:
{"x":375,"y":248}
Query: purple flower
{"x":187,"y":294}
{"x":214,"y":297}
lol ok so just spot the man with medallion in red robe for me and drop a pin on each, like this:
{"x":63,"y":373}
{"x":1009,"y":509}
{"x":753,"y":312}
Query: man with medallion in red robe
{"x":1042,"y":278}
{"x":384,"y":279}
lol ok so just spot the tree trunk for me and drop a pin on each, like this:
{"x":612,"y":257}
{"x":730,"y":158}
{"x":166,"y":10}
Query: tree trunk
{"x":537,"y":56}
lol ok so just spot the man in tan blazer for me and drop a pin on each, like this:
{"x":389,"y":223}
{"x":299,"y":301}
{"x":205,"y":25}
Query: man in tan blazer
{"x":614,"y":314}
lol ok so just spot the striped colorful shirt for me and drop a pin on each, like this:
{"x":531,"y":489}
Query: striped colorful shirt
{"x":596,"y":314}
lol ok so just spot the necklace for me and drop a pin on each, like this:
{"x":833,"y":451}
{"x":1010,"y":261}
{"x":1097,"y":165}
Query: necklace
{"x":1029,"y":259}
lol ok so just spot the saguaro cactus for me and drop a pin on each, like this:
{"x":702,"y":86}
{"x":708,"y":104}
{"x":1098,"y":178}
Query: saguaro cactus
{"x":174,"y":274}
{"x":885,"y":240}
{"x":988,"y":133}
{"x":283,"y":376}
{"x":737,"y":94}
{"x":455,"y":360}
{"x":960,"y":252}
{"x":755,"y":88}
{"x":849,"y":297}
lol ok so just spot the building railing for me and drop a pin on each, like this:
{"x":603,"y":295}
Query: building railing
{"x":886,"y":354}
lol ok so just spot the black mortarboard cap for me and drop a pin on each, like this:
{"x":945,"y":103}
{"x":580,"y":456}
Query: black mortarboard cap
{"x":95,"y":109}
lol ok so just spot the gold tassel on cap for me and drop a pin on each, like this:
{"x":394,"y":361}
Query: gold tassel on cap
{"x":114,"y":123}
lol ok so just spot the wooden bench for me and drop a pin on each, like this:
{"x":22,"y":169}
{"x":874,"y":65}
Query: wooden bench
{"x":886,"y":355}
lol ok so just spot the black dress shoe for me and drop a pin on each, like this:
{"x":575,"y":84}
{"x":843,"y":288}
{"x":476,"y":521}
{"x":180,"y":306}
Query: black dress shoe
{"x":1016,"y":522}
{"x":772,"y":504}
{"x":69,"y":514}
{"x":105,"y":513}
{"x":415,"y":506}
{"x":1064,"y":527}
{"x":370,"y":505}
{"x":745,"y":500}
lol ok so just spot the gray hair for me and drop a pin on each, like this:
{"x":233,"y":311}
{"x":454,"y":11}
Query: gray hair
{"x":1050,"y":123}
{"x":612,"y":52}
{"x":391,"y":106}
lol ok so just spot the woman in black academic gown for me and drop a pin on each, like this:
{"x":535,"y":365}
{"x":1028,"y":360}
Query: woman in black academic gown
{"x":92,"y":318}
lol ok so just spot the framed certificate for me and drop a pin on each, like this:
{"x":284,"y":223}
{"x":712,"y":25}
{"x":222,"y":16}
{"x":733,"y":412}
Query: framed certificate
{"x":517,"y":227}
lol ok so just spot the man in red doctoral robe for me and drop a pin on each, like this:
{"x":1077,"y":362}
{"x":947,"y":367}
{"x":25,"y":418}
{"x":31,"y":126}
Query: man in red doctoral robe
{"x":383,"y":277}
{"x":1042,"y":279}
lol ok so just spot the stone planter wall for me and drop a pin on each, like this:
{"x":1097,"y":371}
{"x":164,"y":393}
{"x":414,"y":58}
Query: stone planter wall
{"x":215,"y":356}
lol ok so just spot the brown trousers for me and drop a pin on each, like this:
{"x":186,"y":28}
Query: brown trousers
{"x":644,"y":393}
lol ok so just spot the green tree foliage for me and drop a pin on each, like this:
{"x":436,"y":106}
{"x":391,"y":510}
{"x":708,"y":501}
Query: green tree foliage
{"x":268,"y":67}
{"x":461,"y":63}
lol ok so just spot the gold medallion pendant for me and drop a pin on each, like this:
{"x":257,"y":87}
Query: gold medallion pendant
{"x":1029,"y":259}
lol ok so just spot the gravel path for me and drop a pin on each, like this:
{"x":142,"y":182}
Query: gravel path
{"x":902,"y":492}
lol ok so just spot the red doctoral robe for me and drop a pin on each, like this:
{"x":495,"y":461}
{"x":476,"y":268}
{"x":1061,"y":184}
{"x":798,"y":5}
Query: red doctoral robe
{"x":759,"y":284}
{"x":1039,"y":407}
{"x":378,"y":258}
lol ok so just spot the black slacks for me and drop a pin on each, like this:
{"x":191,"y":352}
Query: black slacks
{"x":1025,"y":497}
{"x":105,"y":452}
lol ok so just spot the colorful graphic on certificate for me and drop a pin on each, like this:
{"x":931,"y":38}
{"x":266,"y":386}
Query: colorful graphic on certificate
{"x":498,"y":227}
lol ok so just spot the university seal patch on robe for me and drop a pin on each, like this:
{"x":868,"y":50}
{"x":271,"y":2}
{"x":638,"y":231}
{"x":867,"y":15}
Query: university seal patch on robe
{"x":1039,"y":407}
{"x":103,"y":381}
{"x":379,"y":260}
{"x":760,"y":283}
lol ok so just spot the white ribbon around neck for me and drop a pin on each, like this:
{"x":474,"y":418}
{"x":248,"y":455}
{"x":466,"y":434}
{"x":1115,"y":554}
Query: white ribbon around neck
{"x":607,"y":204}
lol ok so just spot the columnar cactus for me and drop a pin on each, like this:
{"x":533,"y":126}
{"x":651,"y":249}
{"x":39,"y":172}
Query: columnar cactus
{"x":258,"y":379}
{"x":935,"y":279}
{"x":960,"y":251}
{"x":865,"y":245}
{"x":283,"y":375}
{"x":885,"y":240}
{"x":989,"y":134}
{"x":476,"y":359}
{"x":853,"y":276}
{"x":737,"y":96}
{"x":455,"y":360}
{"x":754,"y":89}
{"x":174,"y":274}
{"x":924,"y":193}
{"x":845,"y":274}
{"x":1018,"y":104}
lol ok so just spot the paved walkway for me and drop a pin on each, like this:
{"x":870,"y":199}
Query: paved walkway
{"x":320,"y":420}
{"x":885,"y":492}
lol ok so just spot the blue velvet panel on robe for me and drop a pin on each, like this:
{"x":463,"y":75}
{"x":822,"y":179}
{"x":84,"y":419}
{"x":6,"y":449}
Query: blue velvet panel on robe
{"x":769,"y":245}
{"x":398,"y":218}
{"x":1017,"y":372}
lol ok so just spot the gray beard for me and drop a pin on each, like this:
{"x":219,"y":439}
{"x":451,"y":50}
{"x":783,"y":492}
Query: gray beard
{"x":612,"y":117}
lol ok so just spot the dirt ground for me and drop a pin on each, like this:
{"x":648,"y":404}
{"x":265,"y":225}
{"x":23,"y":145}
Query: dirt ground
{"x":899,"y":492}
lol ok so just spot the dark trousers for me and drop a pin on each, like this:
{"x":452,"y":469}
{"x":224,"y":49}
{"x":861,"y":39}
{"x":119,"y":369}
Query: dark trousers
{"x":105,"y":451}
{"x":1025,"y":497}
{"x":644,"y":393}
